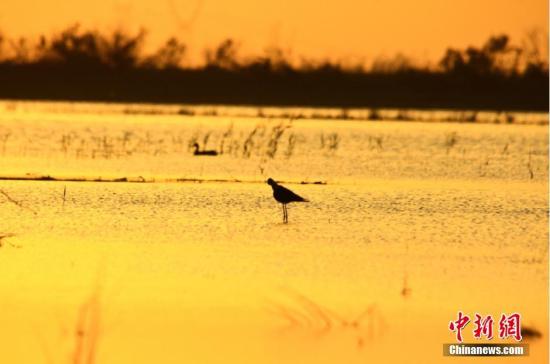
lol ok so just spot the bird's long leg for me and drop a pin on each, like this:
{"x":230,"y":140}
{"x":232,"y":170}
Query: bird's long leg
{"x":284,"y":213}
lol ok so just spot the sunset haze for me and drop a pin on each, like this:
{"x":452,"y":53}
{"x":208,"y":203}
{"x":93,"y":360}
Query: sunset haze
{"x":344,"y":30}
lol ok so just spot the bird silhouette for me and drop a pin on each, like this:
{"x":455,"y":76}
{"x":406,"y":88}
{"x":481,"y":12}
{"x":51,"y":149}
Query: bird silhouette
{"x":203,"y":152}
{"x":284,"y":195}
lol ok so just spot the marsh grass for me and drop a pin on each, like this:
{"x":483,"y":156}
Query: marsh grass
{"x":248,"y":143}
{"x":81,"y":338}
{"x":333,"y":141}
{"x":530,"y":167}
{"x":99,"y":145}
{"x":64,"y":195}
{"x":205,"y":139}
{"x":225,"y":136}
{"x":330,"y":141}
{"x":260,"y":141}
{"x":17,"y":202}
{"x":275,"y":136}
{"x":376,"y":142}
{"x":302,"y":313}
{"x":4,"y":140}
{"x":505,"y":149}
{"x":3,"y":241}
{"x":290,"y":145}
{"x":87,"y":331}
{"x":450,"y":141}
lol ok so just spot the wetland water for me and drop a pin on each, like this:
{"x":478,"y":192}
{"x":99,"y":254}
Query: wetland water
{"x":414,"y":221}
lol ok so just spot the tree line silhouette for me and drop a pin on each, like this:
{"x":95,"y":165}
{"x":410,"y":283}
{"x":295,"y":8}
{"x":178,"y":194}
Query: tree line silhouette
{"x":78,"y":64}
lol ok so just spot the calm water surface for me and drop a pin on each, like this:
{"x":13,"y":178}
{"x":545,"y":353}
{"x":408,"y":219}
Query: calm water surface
{"x":416,"y":221}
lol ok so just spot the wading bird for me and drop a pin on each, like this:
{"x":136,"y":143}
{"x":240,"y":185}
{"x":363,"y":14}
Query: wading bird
{"x":284,"y":196}
{"x":203,"y":152}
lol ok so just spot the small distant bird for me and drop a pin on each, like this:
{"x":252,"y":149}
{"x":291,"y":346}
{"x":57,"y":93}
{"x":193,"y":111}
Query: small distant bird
{"x":203,"y":152}
{"x":284,"y":195}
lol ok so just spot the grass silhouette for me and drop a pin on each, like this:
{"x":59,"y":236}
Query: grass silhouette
{"x":3,"y":241}
{"x":78,"y":64}
{"x":86,"y":332}
{"x":300,"y":312}
{"x":17,"y":202}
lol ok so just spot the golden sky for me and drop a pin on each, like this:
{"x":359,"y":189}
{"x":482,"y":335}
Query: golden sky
{"x":337,"y":29}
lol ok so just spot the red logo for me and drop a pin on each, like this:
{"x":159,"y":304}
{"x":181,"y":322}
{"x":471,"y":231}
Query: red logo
{"x":458,"y":325}
{"x":484,"y":327}
{"x":509,"y":326}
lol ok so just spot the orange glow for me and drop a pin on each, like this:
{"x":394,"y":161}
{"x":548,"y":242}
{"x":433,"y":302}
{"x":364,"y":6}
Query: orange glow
{"x":417,"y":221}
{"x":348,"y":30}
